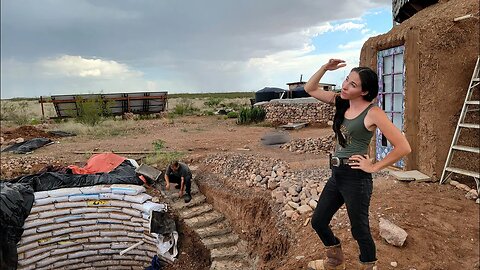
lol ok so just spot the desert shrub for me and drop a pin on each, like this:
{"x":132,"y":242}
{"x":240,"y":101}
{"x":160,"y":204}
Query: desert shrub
{"x":161,"y":158}
{"x":184,"y":107}
{"x":92,"y":111}
{"x":232,"y":114}
{"x":251,"y":115}
{"x":16,"y":112}
{"x":213,"y":102}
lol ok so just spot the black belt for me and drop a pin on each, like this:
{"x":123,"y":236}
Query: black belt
{"x":337,"y":162}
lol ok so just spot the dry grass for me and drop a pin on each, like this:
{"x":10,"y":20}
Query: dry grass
{"x":107,"y":128}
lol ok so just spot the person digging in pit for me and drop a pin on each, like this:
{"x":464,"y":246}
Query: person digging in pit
{"x":179,"y":173}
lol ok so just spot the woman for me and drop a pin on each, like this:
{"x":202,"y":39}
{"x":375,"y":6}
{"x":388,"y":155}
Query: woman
{"x":355,"y":120}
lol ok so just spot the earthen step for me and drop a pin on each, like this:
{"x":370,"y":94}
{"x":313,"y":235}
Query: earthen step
{"x":229,"y":265}
{"x":216,"y":229}
{"x":204,"y":220}
{"x":220,"y":241}
{"x":227,"y":253}
{"x":196,"y":200}
{"x":172,"y":194}
{"x":195,"y":211}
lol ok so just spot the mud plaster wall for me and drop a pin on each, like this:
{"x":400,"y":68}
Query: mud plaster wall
{"x":440,"y":57}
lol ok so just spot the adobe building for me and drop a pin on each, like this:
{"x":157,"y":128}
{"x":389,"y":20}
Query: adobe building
{"x":425,"y":64}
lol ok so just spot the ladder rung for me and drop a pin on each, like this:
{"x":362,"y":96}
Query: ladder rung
{"x":464,"y":172}
{"x":467,"y":148}
{"x":465,"y":125}
{"x":476,"y":79}
{"x":473,"y":102}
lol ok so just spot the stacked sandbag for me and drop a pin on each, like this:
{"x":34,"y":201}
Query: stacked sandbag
{"x":87,"y":227}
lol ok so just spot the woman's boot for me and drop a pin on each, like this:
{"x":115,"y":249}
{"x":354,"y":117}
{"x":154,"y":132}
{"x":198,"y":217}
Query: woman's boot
{"x":368,"y":266}
{"x":334,"y":261}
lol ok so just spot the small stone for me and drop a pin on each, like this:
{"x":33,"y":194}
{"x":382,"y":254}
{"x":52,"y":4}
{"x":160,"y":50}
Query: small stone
{"x":155,"y":199}
{"x":472,"y":195}
{"x":299,"y":257}
{"x":394,"y":264}
{"x":304,"y":209}
{"x":289,"y":213}
{"x":293,"y":205}
{"x":296,"y":199}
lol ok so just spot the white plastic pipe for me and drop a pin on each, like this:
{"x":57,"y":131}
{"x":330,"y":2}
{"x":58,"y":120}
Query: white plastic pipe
{"x":131,"y":247}
{"x":462,"y":17}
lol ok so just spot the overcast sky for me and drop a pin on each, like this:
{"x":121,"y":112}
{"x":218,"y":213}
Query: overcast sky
{"x":53,"y":47}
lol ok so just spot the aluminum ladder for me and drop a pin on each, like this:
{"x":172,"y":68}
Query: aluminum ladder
{"x":448,"y":170}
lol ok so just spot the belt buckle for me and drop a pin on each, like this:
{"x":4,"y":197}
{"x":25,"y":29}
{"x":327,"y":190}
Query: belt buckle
{"x":335,"y":161}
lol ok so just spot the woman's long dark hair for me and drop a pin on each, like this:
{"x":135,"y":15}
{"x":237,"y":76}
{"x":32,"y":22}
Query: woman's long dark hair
{"x":369,"y":80}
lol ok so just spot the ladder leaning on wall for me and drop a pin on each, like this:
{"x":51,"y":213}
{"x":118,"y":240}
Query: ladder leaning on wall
{"x":448,"y":170}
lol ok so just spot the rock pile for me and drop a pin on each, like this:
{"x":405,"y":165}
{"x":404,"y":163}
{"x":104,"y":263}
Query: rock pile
{"x":311,"y":145}
{"x":296,"y":191}
{"x":15,"y":166}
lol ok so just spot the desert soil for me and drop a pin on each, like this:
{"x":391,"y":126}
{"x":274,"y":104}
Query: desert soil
{"x":442,"y":225}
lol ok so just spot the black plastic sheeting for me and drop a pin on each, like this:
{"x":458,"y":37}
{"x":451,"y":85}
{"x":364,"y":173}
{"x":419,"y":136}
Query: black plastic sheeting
{"x":27,"y":146}
{"x":123,"y":174}
{"x":17,"y":199}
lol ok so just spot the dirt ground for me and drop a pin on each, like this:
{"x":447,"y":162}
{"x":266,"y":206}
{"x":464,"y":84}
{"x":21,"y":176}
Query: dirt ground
{"x":442,"y":225}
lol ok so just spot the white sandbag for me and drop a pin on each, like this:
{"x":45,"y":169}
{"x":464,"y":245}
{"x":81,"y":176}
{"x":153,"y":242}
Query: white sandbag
{"x":120,"y":216}
{"x":61,"y":264}
{"x":127,"y":189}
{"x":82,"y":222}
{"x":50,"y":200}
{"x":67,"y":250}
{"x":122,"y":204}
{"x":31,"y":217}
{"x":35,"y":237}
{"x":69,"y":218}
{"x":84,"y":234}
{"x":23,"y":248}
{"x":40,"y":195}
{"x":96,"y":258}
{"x":51,"y":227}
{"x":29,"y":232}
{"x":148,"y":207}
{"x":97,"y":227}
{"x":83,"y":197}
{"x":79,"y":204}
{"x":83,"y":210}
{"x":54,"y":213}
{"x":64,"y":192}
{"x":52,"y":259}
{"x":51,"y":240}
{"x":121,"y":227}
{"x":110,"y":196}
{"x":164,"y":244}
{"x":120,"y":245}
{"x":37,"y":223}
{"x":96,"y":215}
{"x":111,"y":221}
{"x":137,"y":219}
{"x":36,"y":209}
{"x":66,"y":230}
{"x":96,"y":246}
{"x":140,"y":198}
{"x":81,"y":254}
{"x":42,"y":249}
{"x":145,"y":216}
{"x":132,"y":212}
{"x":33,"y":259}
{"x":109,"y":209}
{"x":113,"y":233}
{"x":96,"y":189}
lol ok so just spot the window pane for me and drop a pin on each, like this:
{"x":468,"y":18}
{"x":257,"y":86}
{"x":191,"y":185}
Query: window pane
{"x":398,"y":83}
{"x":397,"y":120}
{"x":387,"y":83}
{"x":398,"y":103}
{"x":387,"y":64}
{"x":398,"y":63}
{"x":387,"y":99}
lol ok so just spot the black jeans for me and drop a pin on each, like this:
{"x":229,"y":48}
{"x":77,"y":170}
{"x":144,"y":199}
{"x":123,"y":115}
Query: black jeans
{"x":188,"y":181}
{"x":354,"y":188}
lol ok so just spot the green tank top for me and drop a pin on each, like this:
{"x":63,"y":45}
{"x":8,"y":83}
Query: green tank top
{"x":357,"y":137}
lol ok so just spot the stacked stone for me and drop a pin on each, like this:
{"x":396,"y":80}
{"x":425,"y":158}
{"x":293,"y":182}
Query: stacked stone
{"x":297,"y":191}
{"x":312,"y":113}
{"x":311,"y":145}
{"x":76,"y":228}
{"x":255,"y":171}
{"x":472,"y":194}
{"x":10,"y":166}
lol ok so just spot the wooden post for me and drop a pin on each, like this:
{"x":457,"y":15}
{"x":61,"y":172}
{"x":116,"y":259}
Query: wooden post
{"x":43,"y":112}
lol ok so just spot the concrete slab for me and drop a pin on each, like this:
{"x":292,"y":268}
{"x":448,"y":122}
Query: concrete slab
{"x":410,"y":176}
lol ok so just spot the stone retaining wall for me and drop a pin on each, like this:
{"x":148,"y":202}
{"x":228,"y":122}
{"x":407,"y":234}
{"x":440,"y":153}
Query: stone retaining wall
{"x":87,"y":227}
{"x":307,"y":110}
